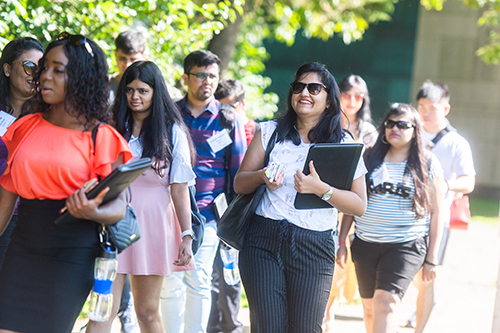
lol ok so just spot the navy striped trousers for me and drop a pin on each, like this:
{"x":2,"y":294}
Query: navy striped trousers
{"x":287,"y":274}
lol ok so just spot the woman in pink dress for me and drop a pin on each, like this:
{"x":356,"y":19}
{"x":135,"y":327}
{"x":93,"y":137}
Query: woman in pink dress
{"x":147,"y":117}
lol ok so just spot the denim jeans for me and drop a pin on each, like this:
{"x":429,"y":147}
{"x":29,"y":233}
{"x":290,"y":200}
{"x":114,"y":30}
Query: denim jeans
{"x":186,"y":297}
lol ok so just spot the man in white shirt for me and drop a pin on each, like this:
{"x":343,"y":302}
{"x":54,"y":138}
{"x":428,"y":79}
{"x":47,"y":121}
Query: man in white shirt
{"x":455,"y":156}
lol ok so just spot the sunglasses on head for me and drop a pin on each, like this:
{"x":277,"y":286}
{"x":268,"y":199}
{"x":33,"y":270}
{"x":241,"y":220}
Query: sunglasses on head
{"x":28,"y":66}
{"x":313,"y":88}
{"x":402,"y":125}
{"x":75,"y":40}
{"x":357,"y":97}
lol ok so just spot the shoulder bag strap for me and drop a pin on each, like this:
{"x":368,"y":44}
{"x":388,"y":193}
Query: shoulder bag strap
{"x":227,"y":115}
{"x":270,"y":146}
{"x":440,"y":135}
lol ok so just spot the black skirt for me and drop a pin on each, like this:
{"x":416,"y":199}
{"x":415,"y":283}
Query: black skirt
{"x":48,"y":270}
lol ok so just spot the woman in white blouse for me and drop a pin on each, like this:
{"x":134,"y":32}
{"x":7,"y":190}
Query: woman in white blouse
{"x":147,"y":117}
{"x":287,"y":259}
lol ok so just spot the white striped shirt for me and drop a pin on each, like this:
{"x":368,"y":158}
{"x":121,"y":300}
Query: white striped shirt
{"x":389,"y":217}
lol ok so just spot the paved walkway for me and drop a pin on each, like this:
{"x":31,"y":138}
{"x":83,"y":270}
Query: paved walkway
{"x":465,"y":289}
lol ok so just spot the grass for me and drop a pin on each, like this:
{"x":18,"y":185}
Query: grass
{"x":484,"y":210}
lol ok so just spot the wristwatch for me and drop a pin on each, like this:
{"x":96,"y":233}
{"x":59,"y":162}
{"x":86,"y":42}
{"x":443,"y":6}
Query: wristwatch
{"x":328,"y":194}
{"x":188,"y":232}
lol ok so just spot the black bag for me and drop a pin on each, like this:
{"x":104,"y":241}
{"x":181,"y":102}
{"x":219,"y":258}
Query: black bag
{"x":125,"y":232}
{"x":232,"y":226}
{"x":197,"y":221}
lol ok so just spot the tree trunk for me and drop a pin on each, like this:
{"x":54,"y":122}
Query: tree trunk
{"x":224,"y":43}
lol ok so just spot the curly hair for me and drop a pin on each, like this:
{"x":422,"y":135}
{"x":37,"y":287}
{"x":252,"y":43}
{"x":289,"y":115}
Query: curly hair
{"x":418,"y":159}
{"x":87,"y":81}
{"x":10,"y":53}
{"x":329,"y":128}
{"x":156,"y":132}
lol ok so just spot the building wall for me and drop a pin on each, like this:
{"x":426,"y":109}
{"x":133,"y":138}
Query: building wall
{"x":444,"y":52}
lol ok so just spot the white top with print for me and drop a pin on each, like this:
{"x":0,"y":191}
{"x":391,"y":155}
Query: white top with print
{"x":278,"y":204}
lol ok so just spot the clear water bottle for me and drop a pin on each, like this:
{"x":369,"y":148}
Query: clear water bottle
{"x":229,"y":258}
{"x":101,"y":300}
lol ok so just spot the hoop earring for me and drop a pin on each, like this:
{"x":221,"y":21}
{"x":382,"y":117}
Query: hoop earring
{"x":384,"y":140}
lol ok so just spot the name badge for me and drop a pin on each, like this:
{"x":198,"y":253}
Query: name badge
{"x":5,"y":121}
{"x":219,"y":141}
{"x":380,"y":175}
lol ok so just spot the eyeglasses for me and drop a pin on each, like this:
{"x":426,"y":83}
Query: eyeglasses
{"x":402,"y":125}
{"x":75,"y":40}
{"x":203,"y":76}
{"x":313,"y":88}
{"x":28,"y":65}
{"x":357,"y":97}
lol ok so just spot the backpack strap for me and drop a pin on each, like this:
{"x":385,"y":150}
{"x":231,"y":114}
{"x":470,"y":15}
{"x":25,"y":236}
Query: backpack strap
{"x":439,"y":136}
{"x":94,"y":139}
{"x":227,"y":115}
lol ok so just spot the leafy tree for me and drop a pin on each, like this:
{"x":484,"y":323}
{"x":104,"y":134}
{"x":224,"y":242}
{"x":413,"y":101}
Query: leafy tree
{"x":234,"y":30}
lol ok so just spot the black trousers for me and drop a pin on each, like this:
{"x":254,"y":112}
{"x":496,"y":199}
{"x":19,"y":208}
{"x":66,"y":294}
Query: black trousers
{"x":287,"y":274}
{"x":225,"y":302}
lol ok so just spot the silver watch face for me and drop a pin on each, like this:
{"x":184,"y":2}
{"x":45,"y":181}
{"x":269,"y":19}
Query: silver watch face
{"x":327,"y":195}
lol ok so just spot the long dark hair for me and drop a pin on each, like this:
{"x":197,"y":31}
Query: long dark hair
{"x":87,"y":82}
{"x":156,"y":131}
{"x":10,"y":53}
{"x":356,"y":82}
{"x":329,"y":128}
{"x":418,"y":159}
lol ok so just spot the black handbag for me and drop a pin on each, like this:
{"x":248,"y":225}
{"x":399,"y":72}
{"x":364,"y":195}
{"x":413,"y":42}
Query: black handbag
{"x":125,"y":232}
{"x":233,"y":224}
{"x":197,"y":221}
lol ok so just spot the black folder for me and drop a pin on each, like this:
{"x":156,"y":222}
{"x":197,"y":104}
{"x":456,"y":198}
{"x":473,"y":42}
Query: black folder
{"x":118,"y":181}
{"x":336,"y":164}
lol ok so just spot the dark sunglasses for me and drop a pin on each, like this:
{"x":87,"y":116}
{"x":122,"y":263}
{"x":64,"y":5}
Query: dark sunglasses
{"x":28,"y":65}
{"x":313,"y":88}
{"x":402,"y":125}
{"x":75,"y":40}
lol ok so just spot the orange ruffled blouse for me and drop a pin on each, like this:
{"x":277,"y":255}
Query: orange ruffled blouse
{"x":51,"y":162}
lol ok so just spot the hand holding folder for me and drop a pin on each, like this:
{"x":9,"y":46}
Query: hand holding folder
{"x":117,"y":181}
{"x":335,"y":164}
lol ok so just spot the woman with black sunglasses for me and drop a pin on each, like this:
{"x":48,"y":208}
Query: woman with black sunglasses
{"x":400,"y":230}
{"x":288,"y":255}
{"x":17,"y":66}
{"x":48,"y":269}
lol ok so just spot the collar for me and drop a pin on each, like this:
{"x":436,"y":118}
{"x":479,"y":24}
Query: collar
{"x":212,"y":107}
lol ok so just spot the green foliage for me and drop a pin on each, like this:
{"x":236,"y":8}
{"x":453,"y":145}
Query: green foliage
{"x":175,"y":28}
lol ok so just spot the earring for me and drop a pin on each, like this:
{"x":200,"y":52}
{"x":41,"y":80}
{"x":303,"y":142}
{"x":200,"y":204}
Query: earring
{"x":384,"y":140}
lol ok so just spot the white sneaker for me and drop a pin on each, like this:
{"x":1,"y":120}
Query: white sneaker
{"x":128,"y":319}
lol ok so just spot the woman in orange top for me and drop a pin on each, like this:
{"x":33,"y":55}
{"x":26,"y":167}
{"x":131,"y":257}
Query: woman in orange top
{"x":48,"y":269}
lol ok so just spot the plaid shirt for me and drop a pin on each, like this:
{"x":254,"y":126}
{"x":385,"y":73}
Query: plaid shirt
{"x":209,"y":167}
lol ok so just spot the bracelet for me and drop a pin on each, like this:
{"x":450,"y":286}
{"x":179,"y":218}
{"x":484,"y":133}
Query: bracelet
{"x":188,"y":232}
{"x":342,"y":243}
{"x":430,"y":263}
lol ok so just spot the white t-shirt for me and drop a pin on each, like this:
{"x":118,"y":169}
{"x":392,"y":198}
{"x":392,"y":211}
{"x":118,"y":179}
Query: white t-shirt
{"x":278,"y":204}
{"x":181,"y":170}
{"x":454,"y":153}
